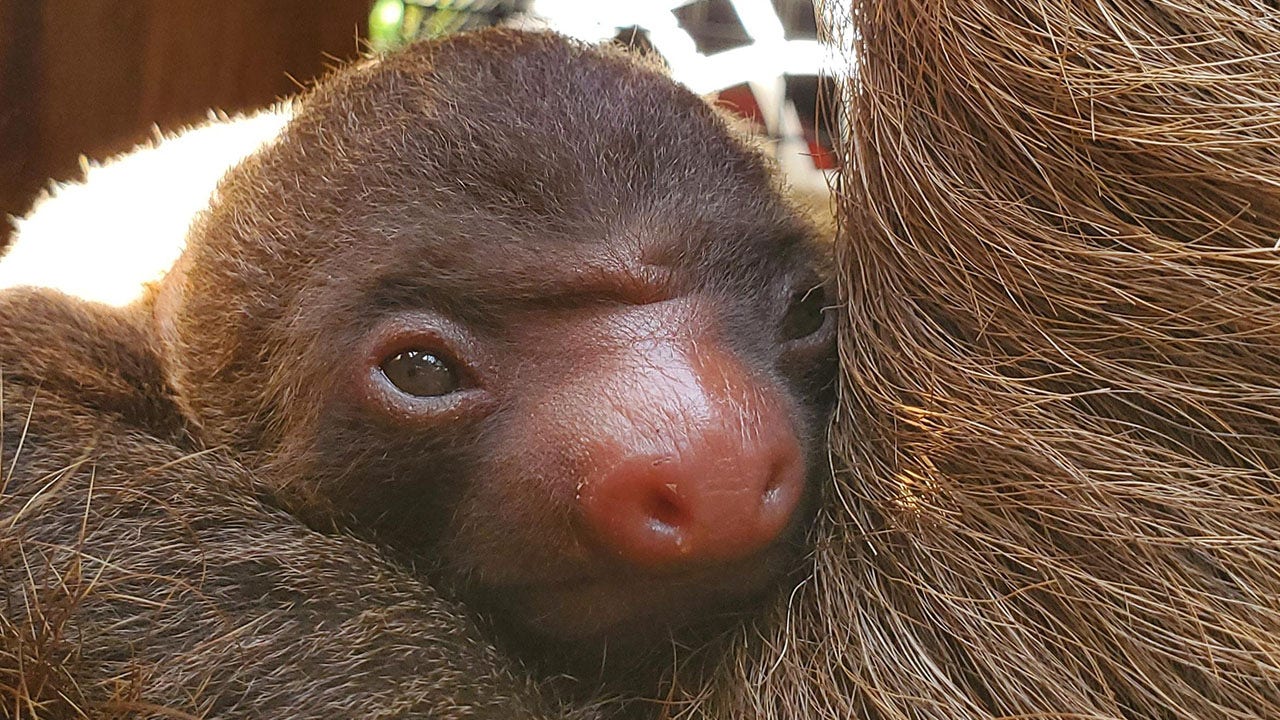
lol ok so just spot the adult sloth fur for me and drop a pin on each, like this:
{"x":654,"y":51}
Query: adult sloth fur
{"x":1059,"y":445}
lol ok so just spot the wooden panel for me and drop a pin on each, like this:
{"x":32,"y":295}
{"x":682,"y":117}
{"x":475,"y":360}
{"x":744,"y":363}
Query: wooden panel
{"x":93,"y":76}
{"x":241,"y":59}
{"x":89,"y":80}
{"x":17,"y":108}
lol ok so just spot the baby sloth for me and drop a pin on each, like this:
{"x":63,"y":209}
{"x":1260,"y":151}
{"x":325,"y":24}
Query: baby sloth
{"x":529,"y":312}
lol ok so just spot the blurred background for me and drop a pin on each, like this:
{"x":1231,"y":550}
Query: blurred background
{"x":96,"y":77}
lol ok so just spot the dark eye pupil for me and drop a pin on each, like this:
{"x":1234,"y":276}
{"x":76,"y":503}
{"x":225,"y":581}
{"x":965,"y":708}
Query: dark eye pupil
{"x":805,"y":316}
{"x":421,"y":374}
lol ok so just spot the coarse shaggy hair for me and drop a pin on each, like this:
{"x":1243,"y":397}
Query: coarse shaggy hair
{"x":1056,"y":488}
{"x":1058,"y":447}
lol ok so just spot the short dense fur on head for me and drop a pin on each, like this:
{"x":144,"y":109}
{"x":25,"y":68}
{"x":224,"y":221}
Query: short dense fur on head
{"x":1060,"y":439}
{"x":570,"y":212}
{"x":520,"y":191}
{"x":424,"y":158}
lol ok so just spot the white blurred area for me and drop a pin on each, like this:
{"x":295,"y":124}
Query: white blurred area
{"x":763,"y":64}
{"x":769,"y":55}
{"x":105,"y":236}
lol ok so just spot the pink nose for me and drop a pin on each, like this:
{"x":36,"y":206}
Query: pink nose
{"x":725,"y":485}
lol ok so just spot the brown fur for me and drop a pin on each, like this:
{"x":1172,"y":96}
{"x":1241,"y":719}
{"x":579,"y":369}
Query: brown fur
{"x":143,"y":579}
{"x":199,"y":441}
{"x":1060,"y":439}
{"x":472,"y":179}
{"x":1056,"y":489}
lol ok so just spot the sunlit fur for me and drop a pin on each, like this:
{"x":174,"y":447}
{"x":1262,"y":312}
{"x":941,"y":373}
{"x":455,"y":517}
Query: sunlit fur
{"x":1058,"y":483}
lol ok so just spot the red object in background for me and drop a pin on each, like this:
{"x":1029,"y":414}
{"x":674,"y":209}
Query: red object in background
{"x":742,"y":102}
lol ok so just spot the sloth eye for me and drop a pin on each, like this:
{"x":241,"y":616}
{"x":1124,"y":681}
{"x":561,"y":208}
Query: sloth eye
{"x":805,"y":316}
{"x":420,"y":373}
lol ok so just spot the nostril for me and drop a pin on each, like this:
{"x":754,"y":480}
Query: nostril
{"x":663,"y":509}
{"x":698,"y":507}
{"x":773,"y":486}
{"x":719,"y":483}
